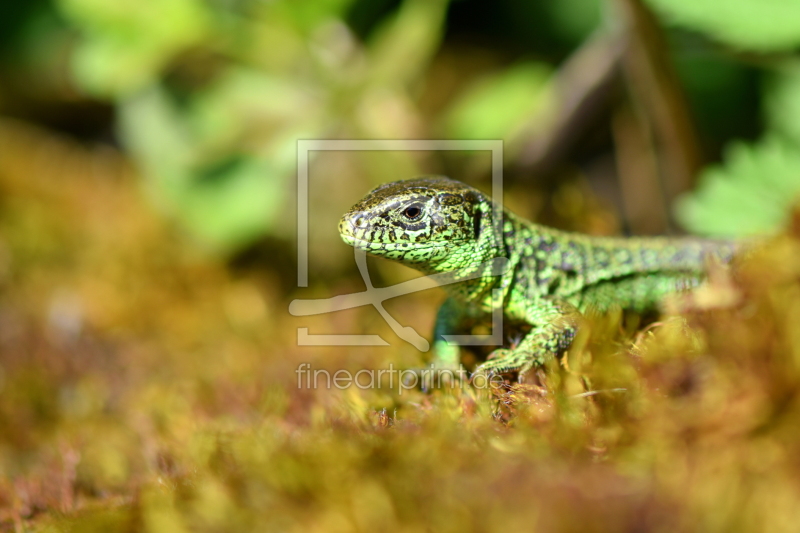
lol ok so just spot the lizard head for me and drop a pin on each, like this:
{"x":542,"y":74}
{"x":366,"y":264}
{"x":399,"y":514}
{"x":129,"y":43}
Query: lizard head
{"x":429,"y":223}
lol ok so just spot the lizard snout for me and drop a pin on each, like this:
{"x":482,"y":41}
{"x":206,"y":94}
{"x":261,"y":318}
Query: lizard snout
{"x":352,"y":226}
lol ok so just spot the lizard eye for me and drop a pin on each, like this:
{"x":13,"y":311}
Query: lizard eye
{"x":412,"y":212}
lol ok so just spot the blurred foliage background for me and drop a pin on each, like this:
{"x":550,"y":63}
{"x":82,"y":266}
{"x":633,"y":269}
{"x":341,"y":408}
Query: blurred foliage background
{"x":147,"y":224}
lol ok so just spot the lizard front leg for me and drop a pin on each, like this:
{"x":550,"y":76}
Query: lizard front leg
{"x":446,"y":362}
{"x":450,"y":320}
{"x":555,"y":324}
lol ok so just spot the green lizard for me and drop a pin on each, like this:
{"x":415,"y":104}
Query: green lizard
{"x":437,"y":225}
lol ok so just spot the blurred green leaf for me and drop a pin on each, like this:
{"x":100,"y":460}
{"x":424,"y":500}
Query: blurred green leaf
{"x":763,"y":25}
{"x":127,"y":42}
{"x":152,"y":130}
{"x":782,"y":101}
{"x":235,"y":202}
{"x":403,"y":46}
{"x":224,"y":196}
{"x":248,"y":108}
{"x":500,"y":105}
{"x":751,"y":194}
{"x":309,"y":15}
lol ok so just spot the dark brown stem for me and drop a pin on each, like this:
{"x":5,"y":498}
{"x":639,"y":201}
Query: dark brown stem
{"x":584,"y":85}
{"x":654,"y":85}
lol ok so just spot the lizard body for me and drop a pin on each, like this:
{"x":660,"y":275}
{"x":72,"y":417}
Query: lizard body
{"x":437,"y":225}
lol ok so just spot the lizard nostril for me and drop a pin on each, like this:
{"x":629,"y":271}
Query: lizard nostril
{"x":360,"y":221}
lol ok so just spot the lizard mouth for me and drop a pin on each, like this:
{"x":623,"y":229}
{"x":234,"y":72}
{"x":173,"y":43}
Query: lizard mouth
{"x":361,"y":244}
{"x":351,"y":241}
{"x":346,"y":232}
{"x":358,"y":242}
{"x":377,"y":248}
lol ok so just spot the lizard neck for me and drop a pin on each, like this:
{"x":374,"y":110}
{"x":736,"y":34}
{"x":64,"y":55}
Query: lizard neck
{"x":473,"y":258}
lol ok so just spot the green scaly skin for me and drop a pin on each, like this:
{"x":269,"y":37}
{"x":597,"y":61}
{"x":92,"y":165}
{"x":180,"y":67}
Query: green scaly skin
{"x":437,"y":225}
